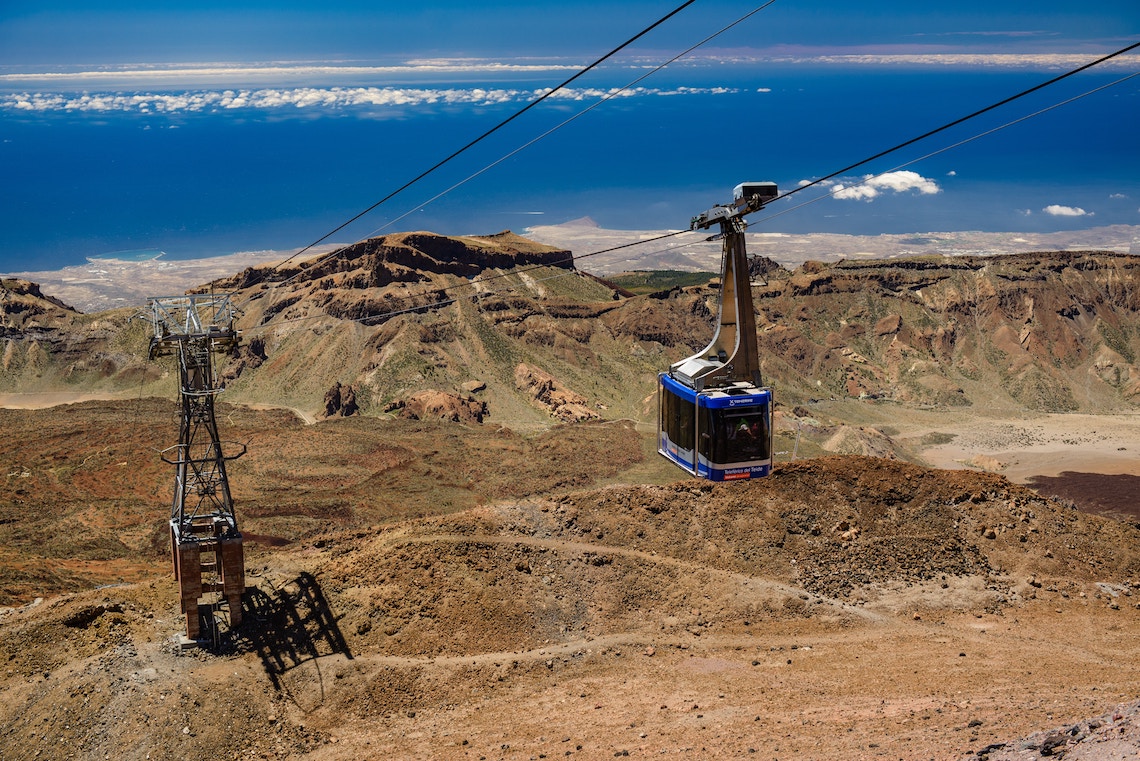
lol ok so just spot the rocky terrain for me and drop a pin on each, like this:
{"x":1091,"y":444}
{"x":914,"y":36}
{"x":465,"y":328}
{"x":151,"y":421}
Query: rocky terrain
{"x":407,"y":313}
{"x":461,"y":543}
{"x":845,"y":607}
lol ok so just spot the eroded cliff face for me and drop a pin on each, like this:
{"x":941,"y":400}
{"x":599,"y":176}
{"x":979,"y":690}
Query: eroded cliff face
{"x":46,"y":344}
{"x":25,"y":309}
{"x":363,"y":279}
{"x":1054,"y":331}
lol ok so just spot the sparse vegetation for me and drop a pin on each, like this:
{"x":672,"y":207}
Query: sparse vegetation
{"x":1116,"y":339}
{"x":412,"y":582}
{"x":653,"y":281}
{"x":937,"y":438}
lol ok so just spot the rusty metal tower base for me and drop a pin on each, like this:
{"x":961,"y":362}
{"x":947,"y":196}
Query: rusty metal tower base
{"x":204,"y":537}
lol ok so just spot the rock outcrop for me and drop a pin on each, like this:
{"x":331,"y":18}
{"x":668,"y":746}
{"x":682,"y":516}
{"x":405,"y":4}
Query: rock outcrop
{"x":545,"y":390}
{"x":340,"y":400}
{"x":440,"y":405}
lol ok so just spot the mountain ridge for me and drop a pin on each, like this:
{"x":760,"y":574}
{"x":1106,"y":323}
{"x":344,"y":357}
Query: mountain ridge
{"x":415,"y":576}
{"x":414,"y":312}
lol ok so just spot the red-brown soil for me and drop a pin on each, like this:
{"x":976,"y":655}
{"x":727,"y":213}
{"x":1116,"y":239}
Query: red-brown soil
{"x":1116,"y":496}
{"x":430,"y":590}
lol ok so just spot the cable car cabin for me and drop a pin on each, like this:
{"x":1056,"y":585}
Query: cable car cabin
{"x":714,"y":414}
{"x":722,"y":434}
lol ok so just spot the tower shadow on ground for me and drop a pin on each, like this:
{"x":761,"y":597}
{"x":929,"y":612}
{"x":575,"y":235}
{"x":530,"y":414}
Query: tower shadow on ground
{"x":288,"y":627}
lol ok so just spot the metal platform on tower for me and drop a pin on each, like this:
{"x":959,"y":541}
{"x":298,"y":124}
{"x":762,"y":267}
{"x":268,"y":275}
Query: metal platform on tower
{"x":205,"y":541}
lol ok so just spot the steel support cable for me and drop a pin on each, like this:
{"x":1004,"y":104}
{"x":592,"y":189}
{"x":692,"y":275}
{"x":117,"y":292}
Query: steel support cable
{"x":819,"y":180}
{"x":497,"y":127}
{"x":966,"y":118}
{"x":958,"y":144}
{"x":606,"y":98}
{"x":613,"y":93}
{"x":446,"y":289}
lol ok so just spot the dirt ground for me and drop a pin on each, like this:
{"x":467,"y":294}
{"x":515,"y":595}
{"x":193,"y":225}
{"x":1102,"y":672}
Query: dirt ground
{"x":1040,"y":445}
{"x":846,"y":607}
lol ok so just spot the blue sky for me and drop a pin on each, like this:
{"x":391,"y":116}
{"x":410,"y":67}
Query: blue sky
{"x":37,"y":33}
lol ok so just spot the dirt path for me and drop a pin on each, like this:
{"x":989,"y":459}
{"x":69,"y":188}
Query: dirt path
{"x":43,"y":399}
{"x":39,"y":400}
{"x":300,"y":413}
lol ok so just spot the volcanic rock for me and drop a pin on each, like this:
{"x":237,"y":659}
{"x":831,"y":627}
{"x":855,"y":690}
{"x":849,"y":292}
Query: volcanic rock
{"x":547,"y":391}
{"x":443,"y":406}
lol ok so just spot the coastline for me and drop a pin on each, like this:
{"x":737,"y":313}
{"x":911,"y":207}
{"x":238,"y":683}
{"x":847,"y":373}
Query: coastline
{"x":101,"y":284}
{"x":136,"y":255}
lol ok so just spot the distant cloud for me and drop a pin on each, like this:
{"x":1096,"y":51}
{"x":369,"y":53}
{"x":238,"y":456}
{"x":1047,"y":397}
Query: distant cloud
{"x":315,"y":97}
{"x":1118,"y":196}
{"x":872,"y":187}
{"x":328,"y":74}
{"x":151,"y":75}
{"x":952,"y":173}
{"x":1005,"y":33}
{"x":1066,"y":211}
{"x":988,"y":60}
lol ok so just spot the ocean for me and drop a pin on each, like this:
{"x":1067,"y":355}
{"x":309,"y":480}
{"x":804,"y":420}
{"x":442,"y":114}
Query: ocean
{"x":216,"y":169}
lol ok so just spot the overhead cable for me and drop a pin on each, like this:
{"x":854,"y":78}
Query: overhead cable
{"x":497,"y":127}
{"x":477,"y":281}
{"x":966,"y":118}
{"x":958,"y":144}
{"x":605,"y":98}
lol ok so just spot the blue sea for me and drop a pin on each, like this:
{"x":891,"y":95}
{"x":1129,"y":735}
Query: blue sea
{"x":214,"y":169}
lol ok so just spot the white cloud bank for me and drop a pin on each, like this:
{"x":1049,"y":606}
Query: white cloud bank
{"x":1057,"y":210}
{"x":871,"y":187}
{"x":315,"y":97}
{"x":155,"y":75}
{"x":968,"y":60}
{"x":344,"y":72}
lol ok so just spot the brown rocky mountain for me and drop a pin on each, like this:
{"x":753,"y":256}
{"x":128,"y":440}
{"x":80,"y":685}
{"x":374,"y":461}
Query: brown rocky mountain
{"x":1046,"y":332}
{"x":408,"y":313}
{"x":440,"y":567}
{"x":47,"y":345}
{"x":23,"y":307}
{"x":1054,"y":331}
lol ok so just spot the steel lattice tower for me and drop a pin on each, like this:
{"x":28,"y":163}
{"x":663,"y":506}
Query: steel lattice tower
{"x":206,"y":543}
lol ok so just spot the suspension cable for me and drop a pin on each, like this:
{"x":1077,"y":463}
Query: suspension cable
{"x":960,"y":143}
{"x":960,"y":120}
{"x":817,"y":181}
{"x":573,"y":258}
{"x":613,"y":93}
{"x":497,"y":127}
